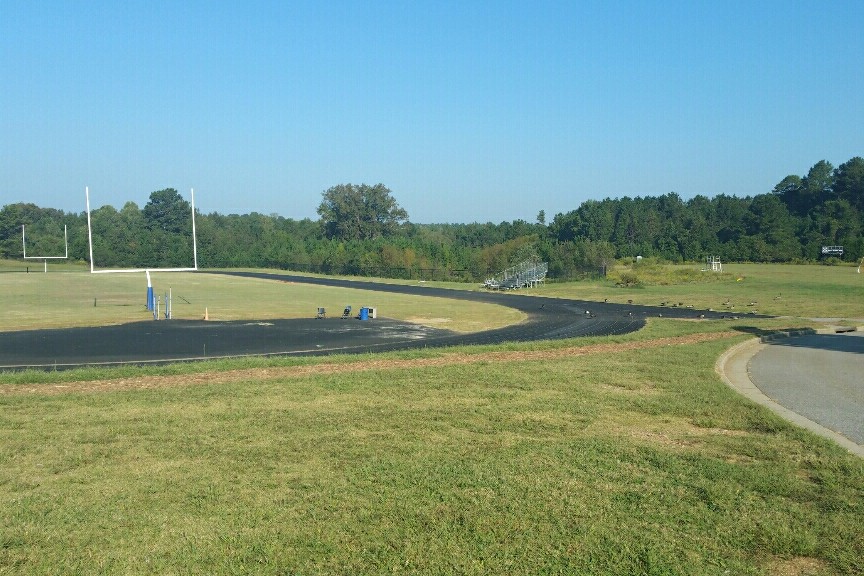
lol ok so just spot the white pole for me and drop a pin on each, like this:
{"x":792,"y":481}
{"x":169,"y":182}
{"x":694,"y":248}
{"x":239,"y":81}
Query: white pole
{"x":194,"y":239}
{"x":89,"y":228}
{"x":66,"y":240}
{"x":23,"y":243}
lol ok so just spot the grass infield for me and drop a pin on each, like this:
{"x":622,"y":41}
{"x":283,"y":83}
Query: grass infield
{"x":69,"y":296}
{"x":619,"y":455}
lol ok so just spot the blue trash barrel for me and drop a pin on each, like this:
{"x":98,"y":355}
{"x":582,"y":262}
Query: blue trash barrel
{"x":364,"y":313}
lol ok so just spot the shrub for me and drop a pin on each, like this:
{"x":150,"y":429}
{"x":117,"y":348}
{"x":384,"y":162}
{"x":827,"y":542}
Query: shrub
{"x":629,"y":280}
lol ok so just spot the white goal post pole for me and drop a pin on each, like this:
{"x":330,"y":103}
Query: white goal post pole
{"x":194,"y":237}
{"x":89,"y":228}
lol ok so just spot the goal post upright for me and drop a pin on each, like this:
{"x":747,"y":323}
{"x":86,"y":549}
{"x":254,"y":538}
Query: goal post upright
{"x":89,"y":228}
{"x":194,"y":236}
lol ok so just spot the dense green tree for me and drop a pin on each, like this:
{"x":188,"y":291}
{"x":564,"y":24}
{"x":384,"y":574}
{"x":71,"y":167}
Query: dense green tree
{"x":836,"y":222}
{"x":597,"y":220}
{"x":801,"y":195}
{"x":637,"y":224}
{"x":730,"y":213}
{"x":789,"y":191}
{"x":169,"y":212}
{"x":849,"y":183}
{"x":768,"y":221}
{"x":105,"y":223}
{"x":130,"y":238}
{"x":12,"y":217}
{"x":564,"y":227}
{"x":360,"y":212}
{"x":701,"y":234}
{"x":673,"y":236}
{"x":167,"y":218}
{"x":815,"y":187}
{"x":791,"y":221}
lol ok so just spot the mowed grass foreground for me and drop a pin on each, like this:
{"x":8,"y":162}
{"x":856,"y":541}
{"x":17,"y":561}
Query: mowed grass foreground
{"x":621,"y":455}
{"x":609,"y":462}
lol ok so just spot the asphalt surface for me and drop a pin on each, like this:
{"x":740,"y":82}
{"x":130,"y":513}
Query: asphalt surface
{"x":820,"y":385}
{"x":819,"y":376}
{"x":184,"y":340}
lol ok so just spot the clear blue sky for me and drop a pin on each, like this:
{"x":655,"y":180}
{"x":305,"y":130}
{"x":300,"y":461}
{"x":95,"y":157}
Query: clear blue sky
{"x":467,"y":111}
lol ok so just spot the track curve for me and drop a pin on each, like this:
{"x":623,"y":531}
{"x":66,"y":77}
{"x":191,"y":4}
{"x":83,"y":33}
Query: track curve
{"x":190,"y":340}
{"x":548,"y":318}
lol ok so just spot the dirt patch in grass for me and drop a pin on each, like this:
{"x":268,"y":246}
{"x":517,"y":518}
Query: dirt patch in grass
{"x":799,"y":566}
{"x":428,"y":321}
{"x":675,"y":434}
{"x":273,"y":373}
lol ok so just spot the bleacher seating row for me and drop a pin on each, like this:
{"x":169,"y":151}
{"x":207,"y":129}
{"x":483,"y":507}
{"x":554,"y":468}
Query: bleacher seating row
{"x":523,"y":275}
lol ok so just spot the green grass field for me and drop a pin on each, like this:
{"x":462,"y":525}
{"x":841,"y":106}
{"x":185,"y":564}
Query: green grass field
{"x":71,"y":296}
{"x":798,"y":291}
{"x":806,"y":291}
{"x":619,"y":455}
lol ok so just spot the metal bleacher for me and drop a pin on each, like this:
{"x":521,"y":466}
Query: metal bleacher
{"x":524,"y":275}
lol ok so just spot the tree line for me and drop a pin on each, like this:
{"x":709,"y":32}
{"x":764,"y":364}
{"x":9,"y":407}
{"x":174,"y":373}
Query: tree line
{"x":363,"y":231}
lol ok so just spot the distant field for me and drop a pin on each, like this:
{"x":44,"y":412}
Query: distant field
{"x":801,"y":291}
{"x":805,"y":291}
{"x":69,"y":297}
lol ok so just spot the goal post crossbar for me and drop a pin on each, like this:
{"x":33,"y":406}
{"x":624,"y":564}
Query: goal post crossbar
{"x":139,"y":270}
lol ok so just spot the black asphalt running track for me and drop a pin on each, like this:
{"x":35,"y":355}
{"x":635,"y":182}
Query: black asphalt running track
{"x":160,"y":342}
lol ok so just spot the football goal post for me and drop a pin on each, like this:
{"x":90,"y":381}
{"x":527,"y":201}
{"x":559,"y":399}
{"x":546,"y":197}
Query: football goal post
{"x":93,"y":269}
{"x":152,"y":299}
{"x":45,"y":258}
